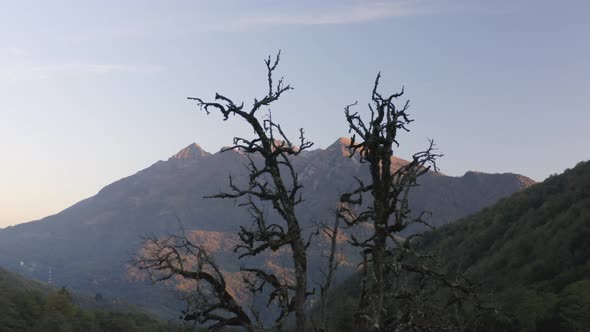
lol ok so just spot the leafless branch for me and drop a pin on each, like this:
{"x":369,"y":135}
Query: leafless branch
{"x":390,"y":262}
{"x":272,"y":179}
{"x":211,"y":302}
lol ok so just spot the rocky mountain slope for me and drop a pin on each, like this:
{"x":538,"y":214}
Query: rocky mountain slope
{"x":87,"y":246}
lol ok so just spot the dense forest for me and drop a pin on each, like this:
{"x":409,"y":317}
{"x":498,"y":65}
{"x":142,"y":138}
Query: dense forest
{"x":30,"y":306}
{"x":531,"y":250}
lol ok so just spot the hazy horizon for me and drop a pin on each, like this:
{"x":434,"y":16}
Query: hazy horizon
{"x":91,"y":94}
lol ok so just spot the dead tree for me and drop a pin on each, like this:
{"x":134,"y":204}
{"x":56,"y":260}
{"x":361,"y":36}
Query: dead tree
{"x":386,"y":256}
{"x":273,"y":181}
{"x":211,"y":302}
{"x":331,"y":233}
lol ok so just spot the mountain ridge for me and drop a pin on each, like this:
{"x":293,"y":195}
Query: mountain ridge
{"x":88,"y":244}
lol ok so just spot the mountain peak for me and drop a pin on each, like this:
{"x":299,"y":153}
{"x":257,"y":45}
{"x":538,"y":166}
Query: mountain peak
{"x":191,"y":152}
{"x":340,"y":146}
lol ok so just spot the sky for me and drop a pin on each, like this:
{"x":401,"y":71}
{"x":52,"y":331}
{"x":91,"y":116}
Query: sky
{"x":91,"y":92}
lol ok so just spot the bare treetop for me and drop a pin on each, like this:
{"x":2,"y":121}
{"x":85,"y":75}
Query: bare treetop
{"x":273,"y":181}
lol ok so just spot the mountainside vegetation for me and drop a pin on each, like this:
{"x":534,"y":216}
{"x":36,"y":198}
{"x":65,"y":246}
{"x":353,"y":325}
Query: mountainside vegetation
{"x":27,"y":305}
{"x":531,"y":250}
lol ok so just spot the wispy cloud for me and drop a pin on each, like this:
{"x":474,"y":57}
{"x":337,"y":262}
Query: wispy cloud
{"x":365,"y":11}
{"x":26,"y":72}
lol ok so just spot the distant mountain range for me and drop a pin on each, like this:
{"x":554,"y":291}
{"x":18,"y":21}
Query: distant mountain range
{"x":87,"y":246}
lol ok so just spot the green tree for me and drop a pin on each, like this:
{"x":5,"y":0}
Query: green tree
{"x":574,"y":305}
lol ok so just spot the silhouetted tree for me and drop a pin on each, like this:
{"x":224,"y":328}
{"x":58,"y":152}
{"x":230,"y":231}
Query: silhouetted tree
{"x":400,"y":288}
{"x":272,"y":180}
{"x":331,"y":232}
{"x":390,"y":264}
{"x":211,"y":302}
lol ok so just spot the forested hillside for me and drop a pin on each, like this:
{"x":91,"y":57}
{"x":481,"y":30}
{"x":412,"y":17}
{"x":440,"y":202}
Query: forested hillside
{"x":532,"y":250}
{"x":26,"y":305}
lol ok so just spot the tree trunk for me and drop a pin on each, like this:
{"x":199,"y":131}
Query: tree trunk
{"x":300,"y":260}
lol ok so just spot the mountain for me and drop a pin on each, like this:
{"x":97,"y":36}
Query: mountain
{"x":531,"y":249}
{"x":87,"y":246}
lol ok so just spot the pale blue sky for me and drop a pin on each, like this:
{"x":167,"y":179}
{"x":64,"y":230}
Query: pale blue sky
{"x":94,"y":91}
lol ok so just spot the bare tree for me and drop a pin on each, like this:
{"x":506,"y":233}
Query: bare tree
{"x":387,"y":257}
{"x":331,"y":233}
{"x":273,"y":181}
{"x":210,"y":302}
{"x":393,"y":274}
